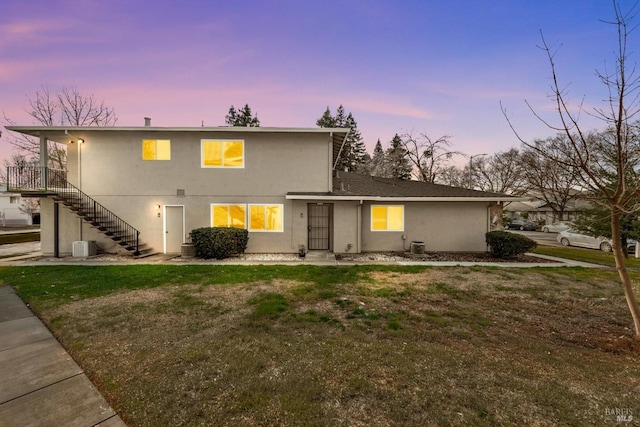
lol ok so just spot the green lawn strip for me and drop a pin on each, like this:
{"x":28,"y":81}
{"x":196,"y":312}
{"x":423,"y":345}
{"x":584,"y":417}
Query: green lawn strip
{"x":54,"y":285}
{"x":585,"y":255}
{"x":367,"y":346}
{"x":19,"y":238}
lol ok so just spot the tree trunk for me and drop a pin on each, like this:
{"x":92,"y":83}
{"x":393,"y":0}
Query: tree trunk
{"x":618,"y":254}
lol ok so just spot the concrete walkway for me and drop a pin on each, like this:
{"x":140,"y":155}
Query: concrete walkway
{"x":40,"y":385}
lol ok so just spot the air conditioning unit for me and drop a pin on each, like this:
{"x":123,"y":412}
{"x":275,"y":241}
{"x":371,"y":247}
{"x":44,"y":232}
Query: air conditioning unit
{"x":417,"y":247}
{"x":84,"y":248}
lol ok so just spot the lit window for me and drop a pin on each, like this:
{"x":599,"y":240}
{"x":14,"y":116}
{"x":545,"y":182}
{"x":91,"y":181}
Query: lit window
{"x":228,"y":216}
{"x":387,"y":218}
{"x":156,"y":149}
{"x":265,"y":217}
{"x":222,"y":153}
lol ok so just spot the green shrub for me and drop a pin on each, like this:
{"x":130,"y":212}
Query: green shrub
{"x":503,"y":244}
{"x":219,"y":242}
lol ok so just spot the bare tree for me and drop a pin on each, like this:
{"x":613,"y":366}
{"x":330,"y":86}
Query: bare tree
{"x":453,"y":176}
{"x":70,"y":107}
{"x":608,"y":166}
{"x":555,"y":182}
{"x":16,"y":160}
{"x":29,"y":206}
{"x":500,"y":173}
{"x":428,"y":157}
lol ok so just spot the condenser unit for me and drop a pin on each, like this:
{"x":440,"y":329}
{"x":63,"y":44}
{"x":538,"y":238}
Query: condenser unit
{"x":84,"y":248}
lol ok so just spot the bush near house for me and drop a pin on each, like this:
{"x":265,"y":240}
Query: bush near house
{"x":503,"y":244}
{"x":219,"y":242}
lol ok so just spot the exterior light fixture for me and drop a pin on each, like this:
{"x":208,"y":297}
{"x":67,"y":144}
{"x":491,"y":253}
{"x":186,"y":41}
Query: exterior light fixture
{"x":80,"y":141}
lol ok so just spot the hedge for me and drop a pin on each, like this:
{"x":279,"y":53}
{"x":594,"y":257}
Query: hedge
{"x":219,"y":242}
{"x":503,"y":244}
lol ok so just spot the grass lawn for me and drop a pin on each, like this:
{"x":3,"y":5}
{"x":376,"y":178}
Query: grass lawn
{"x":326,"y":346}
{"x":20,"y":237}
{"x":586,"y":255}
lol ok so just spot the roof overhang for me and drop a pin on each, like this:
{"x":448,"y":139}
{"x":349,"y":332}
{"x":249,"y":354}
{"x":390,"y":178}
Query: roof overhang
{"x":401,"y":199}
{"x":61,"y":133}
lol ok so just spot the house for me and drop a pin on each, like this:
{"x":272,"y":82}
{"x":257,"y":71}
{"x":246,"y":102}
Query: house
{"x":143,"y":189}
{"x":16,"y":211}
{"x":542,"y":212}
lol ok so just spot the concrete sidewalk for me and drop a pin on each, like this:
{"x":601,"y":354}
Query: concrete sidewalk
{"x":40,"y":385}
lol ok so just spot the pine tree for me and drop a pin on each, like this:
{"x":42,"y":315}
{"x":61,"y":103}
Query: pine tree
{"x":353,"y":156}
{"x":241,"y":117}
{"x":327,"y":120}
{"x":398,"y":166}
{"x":379,"y":161}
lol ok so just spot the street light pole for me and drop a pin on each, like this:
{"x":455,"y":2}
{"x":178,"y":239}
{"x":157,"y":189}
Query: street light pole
{"x":471,"y":164}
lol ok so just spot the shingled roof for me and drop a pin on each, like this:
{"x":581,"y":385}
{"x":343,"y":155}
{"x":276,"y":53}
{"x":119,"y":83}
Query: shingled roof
{"x":348,"y":186}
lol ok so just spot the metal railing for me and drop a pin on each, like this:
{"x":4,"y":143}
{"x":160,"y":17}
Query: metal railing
{"x":45,"y":180}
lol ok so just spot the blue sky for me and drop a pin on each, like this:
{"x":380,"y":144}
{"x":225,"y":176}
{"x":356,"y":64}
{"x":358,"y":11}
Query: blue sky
{"x":440,"y":67}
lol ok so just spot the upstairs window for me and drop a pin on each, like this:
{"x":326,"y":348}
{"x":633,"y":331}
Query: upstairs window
{"x":265,"y":217}
{"x":387,"y":218}
{"x":228,"y":216}
{"x":222,"y":153}
{"x":156,"y":149}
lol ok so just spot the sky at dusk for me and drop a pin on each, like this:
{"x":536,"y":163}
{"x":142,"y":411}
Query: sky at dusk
{"x":439,"y":67}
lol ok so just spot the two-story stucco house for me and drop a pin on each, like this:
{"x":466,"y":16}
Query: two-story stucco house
{"x":143,"y":189}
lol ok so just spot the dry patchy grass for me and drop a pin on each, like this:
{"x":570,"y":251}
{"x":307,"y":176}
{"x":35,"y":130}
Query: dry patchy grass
{"x":450,"y":346}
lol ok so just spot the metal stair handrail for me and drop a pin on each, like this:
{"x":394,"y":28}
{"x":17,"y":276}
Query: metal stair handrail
{"x":41,"y":179}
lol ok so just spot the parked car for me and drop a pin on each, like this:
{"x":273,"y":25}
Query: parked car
{"x":557,"y":227}
{"x":572,"y":237}
{"x":521,"y":224}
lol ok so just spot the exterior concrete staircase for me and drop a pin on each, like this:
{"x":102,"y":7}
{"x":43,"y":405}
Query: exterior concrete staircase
{"x":45,"y":182}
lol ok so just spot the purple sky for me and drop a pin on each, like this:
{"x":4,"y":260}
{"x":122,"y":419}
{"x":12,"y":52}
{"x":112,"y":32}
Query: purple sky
{"x":439,"y":67}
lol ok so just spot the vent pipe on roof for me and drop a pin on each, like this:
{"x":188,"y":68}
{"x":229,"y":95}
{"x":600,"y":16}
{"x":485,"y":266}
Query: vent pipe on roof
{"x":147,"y":121}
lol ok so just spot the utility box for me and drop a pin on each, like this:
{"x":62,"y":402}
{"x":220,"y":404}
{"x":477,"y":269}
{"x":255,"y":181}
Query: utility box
{"x":84,"y":248}
{"x":417,"y":247}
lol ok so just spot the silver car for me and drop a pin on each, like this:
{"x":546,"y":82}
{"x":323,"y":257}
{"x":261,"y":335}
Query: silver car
{"x":571,"y":237}
{"x":557,"y":227}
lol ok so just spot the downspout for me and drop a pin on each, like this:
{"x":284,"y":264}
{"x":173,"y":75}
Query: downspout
{"x":56,"y":230}
{"x":359,"y":229}
{"x":80,"y":177}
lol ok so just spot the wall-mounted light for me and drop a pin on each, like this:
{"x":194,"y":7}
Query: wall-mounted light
{"x":158,"y":206}
{"x":81,"y":141}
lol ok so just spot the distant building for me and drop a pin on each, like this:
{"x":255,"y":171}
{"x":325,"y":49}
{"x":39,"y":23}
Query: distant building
{"x":14,"y":211}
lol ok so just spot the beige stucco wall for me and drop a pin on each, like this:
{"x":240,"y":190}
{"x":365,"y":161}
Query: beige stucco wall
{"x":114,"y":174}
{"x":443,"y":226}
{"x":274,"y":165}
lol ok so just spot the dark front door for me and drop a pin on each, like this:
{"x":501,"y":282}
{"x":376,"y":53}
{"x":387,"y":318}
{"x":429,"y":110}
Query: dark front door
{"x":319,"y":226}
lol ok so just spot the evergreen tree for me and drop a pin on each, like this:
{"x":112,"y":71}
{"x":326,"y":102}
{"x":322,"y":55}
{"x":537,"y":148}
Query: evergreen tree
{"x":241,"y":117}
{"x":398,"y":166}
{"x":327,"y":120}
{"x":353,"y":156}
{"x":379,"y":161}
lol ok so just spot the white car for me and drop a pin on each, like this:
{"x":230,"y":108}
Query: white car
{"x":557,"y":227}
{"x":573,"y":238}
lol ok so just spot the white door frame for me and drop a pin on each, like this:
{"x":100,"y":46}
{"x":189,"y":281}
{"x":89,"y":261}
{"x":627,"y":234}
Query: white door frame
{"x":164,"y":225}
